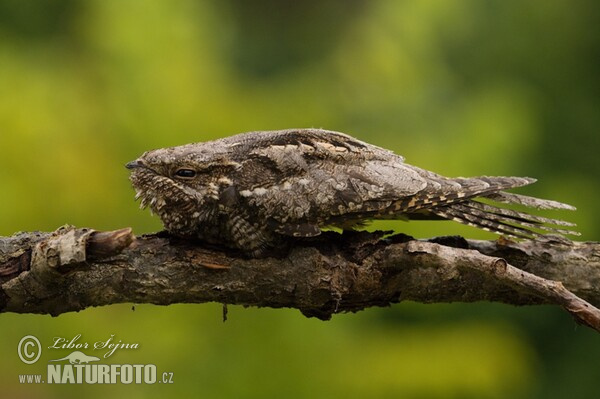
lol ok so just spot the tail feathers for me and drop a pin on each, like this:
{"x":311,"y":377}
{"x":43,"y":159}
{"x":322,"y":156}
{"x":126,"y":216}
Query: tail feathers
{"x":518,"y":216}
{"x":456,"y":199}
{"x":485,"y":224}
{"x":531,"y":202}
{"x":520,"y":220}
{"x":503,"y":221}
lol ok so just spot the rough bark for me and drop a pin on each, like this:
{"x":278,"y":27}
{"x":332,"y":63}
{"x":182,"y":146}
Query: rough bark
{"x":72,"y":269}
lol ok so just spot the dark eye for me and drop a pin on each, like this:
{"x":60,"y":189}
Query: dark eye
{"x":185,"y":173}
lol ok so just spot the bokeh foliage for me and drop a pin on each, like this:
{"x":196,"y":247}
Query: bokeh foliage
{"x":463,"y":88}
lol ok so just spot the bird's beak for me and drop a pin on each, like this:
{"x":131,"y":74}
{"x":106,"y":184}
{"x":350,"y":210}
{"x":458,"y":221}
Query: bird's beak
{"x":134,"y":164}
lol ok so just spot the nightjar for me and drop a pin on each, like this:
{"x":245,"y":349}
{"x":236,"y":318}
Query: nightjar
{"x":250,"y":190}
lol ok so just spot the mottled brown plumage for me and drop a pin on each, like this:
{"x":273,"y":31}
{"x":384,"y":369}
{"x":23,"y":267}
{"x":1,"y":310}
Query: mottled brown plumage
{"x":250,"y":190}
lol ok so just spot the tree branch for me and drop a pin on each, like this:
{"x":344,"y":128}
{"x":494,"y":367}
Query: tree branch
{"x":72,"y":269}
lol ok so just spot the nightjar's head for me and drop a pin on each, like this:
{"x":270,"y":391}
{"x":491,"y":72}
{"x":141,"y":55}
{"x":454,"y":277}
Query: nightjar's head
{"x":180,"y":184}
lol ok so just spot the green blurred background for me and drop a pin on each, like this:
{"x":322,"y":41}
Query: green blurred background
{"x":460,"y":87}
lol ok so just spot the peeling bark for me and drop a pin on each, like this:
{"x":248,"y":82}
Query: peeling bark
{"x":72,"y":269}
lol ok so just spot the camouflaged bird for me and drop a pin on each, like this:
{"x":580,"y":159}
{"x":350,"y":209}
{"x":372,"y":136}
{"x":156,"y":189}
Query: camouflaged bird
{"x":250,"y":190}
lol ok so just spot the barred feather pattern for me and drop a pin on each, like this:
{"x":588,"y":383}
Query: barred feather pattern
{"x":505,"y":221}
{"x":462,"y":206}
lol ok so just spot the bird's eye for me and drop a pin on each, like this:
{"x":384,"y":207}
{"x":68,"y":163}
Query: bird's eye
{"x":185,"y":173}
